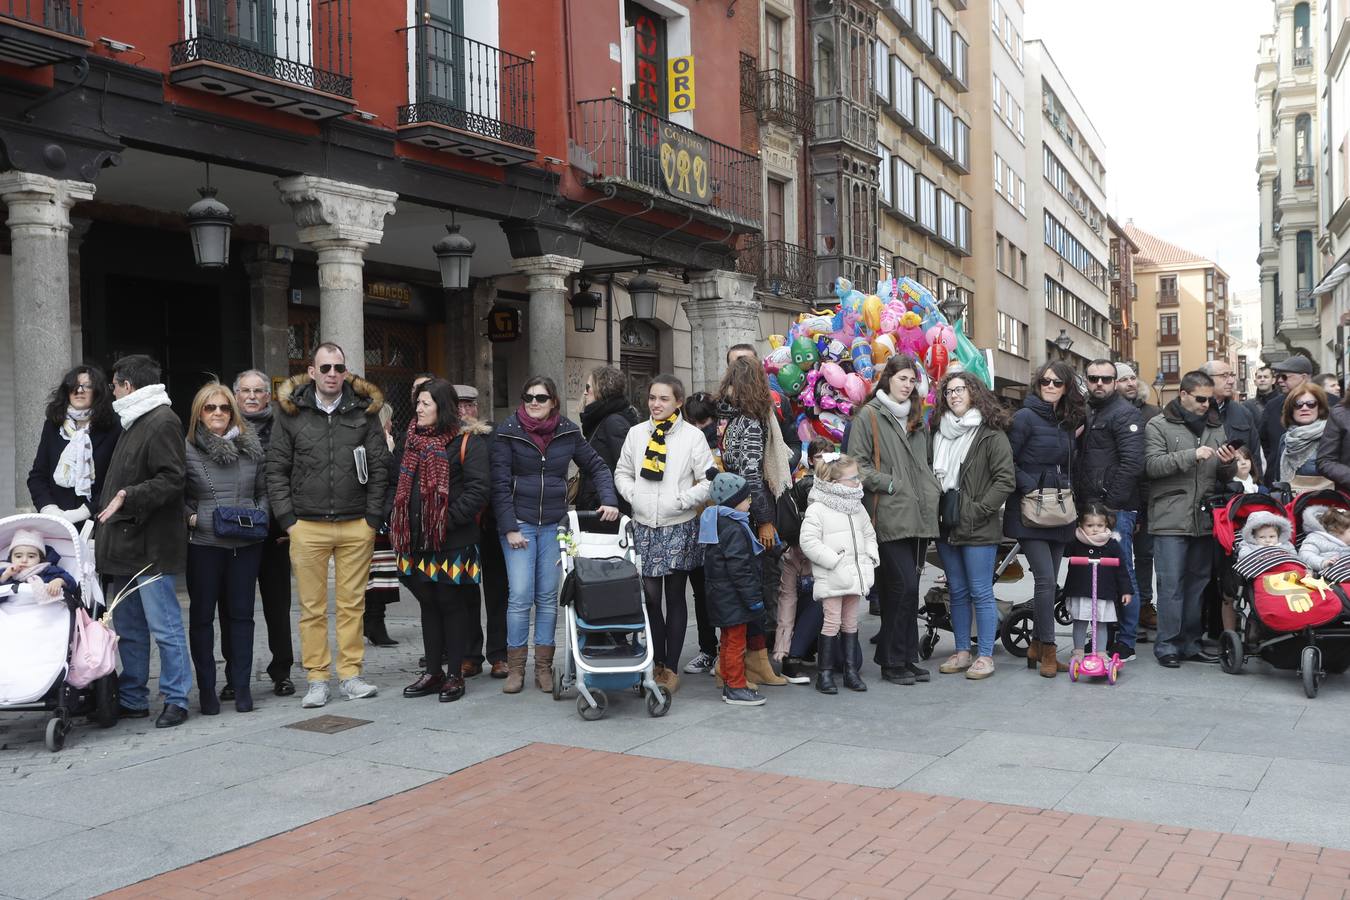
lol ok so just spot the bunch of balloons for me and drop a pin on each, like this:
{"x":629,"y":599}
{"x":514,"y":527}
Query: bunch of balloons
{"x":829,"y":360}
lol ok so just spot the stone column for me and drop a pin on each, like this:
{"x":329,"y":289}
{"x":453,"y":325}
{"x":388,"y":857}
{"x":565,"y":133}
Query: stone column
{"x":39,"y":231}
{"x":339,"y":221}
{"x":269,"y":280}
{"x":547,"y":329}
{"x":723,"y":312}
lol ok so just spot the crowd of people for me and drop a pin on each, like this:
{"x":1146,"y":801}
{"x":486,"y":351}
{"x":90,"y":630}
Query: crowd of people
{"x":785,"y":547}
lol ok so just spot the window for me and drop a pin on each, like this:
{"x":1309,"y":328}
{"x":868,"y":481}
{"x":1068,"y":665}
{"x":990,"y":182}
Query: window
{"x":1302,"y":31}
{"x":1063,"y":242}
{"x":946,"y":129}
{"x":926,"y":193}
{"x":946,"y":218}
{"x":998,"y":174}
{"x":775,"y":203}
{"x":904,"y":188}
{"x":773,"y":42}
{"x":996,"y":19}
{"x":1022,"y":256}
{"x":923,"y":23}
{"x":1305,"y":271}
{"x":962,"y":144}
{"x":882,"y":75}
{"x":942,"y":38}
{"x":1072,"y":308}
{"x":960,"y":55}
{"x":1171,"y":362}
{"x":923,"y":110}
{"x":903,"y":89}
{"x":963,"y":228}
{"x":884,"y":172}
{"x":998,"y":95}
{"x":1167,"y":325}
{"x":1012,"y":335}
{"x":998,"y":251}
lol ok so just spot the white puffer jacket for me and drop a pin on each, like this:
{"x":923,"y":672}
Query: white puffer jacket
{"x":1319,"y":547}
{"x":680,"y":495}
{"x":842,"y":549}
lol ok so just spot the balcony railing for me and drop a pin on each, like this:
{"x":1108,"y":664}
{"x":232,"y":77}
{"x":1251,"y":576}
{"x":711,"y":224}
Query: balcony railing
{"x":1303,"y":56}
{"x":470,"y":86}
{"x":306,"y":43}
{"x":780,"y":268}
{"x":1167,"y":297}
{"x":786,"y":100}
{"x":1306,"y":299}
{"x":839,"y":119}
{"x":636,"y":150}
{"x":1166,"y":339}
{"x":749,"y":79}
{"x":1303,"y":176}
{"x":65,"y":16}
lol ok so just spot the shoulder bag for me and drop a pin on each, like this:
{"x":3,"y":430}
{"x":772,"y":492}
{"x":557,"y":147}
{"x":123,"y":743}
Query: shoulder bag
{"x":247,"y":523}
{"x":1050,"y":507}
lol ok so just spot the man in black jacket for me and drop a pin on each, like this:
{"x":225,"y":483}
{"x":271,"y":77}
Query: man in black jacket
{"x":327,"y":467}
{"x":1110,"y":463}
{"x":1291,"y":374}
{"x":1265,"y":385}
{"x":1127,"y":385}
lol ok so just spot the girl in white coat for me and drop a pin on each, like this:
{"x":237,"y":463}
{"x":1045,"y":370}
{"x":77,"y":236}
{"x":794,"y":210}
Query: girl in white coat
{"x":664,"y":471}
{"x":837,"y":536}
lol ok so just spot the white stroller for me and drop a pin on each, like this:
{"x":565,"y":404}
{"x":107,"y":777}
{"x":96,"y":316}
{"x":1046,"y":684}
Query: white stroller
{"x":604,"y":615}
{"x":36,"y":634}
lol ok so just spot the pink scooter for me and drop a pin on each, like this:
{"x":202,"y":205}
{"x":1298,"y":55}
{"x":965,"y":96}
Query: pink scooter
{"x":1095,"y":664}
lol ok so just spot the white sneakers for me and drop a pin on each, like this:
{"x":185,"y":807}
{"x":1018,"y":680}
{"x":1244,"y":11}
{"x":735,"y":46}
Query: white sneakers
{"x":316,"y":696}
{"x":354,"y":688}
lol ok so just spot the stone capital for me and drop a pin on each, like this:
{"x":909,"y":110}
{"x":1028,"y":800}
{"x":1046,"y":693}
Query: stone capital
{"x":547,"y":273}
{"x":40,"y":202}
{"x":327,"y":210}
{"x":721,"y":284}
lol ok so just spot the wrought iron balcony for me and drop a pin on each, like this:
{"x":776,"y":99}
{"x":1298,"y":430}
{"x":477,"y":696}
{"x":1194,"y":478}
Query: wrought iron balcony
{"x":469,"y":98}
{"x":786,"y":100}
{"x":41,"y":32}
{"x":294,"y":56}
{"x":1303,"y":56}
{"x":644,"y":156}
{"x":749,"y":78}
{"x":781,"y":269}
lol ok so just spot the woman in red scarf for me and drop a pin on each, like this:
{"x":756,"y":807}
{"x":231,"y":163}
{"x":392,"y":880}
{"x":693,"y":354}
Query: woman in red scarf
{"x":443,"y":484}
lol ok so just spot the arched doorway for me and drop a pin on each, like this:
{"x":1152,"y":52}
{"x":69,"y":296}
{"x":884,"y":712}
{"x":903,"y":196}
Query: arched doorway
{"x":639,"y":359}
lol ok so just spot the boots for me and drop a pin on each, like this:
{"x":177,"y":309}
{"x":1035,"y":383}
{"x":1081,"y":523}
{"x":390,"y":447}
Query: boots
{"x":1033,"y":654}
{"x":543,"y":666}
{"x":827,"y":651}
{"x":1049,"y":661}
{"x":852,"y":662}
{"x":760,"y":670}
{"x":373,"y":621}
{"x":515,"y":669}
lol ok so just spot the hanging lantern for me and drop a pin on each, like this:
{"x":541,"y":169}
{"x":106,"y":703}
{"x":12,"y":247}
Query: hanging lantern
{"x":643,"y":291}
{"x":584,"y":304}
{"x":209,"y":222}
{"x":454,"y":253}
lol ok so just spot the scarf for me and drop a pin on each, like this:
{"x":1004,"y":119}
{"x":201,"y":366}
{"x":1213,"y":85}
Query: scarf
{"x":1300,"y":445}
{"x":592,"y":414}
{"x":899,"y":410}
{"x":839,"y":497}
{"x":1194,"y":423}
{"x":1249,"y":485}
{"x":1089,"y":540}
{"x":30,"y":575}
{"x":75,"y":468}
{"x":654,"y":460}
{"x":540,"y":431}
{"x":955,"y":436}
{"x":426,"y":460}
{"x":139,"y":402}
{"x":707,"y":526}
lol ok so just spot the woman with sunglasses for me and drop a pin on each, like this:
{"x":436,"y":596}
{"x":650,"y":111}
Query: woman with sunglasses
{"x":77,"y":443}
{"x":225,"y":467}
{"x":1042,"y":438}
{"x":1304,"y":418}
{"x":530,"y":456}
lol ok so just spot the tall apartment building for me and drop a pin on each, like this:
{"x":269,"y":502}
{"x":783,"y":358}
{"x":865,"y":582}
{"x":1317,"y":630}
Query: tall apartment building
{"x":1001,"y":234}
{"x":1333,"y":292}
{"x":1068,"y":202}
{"x":1182,"y":311}
{"x":1124,"y":328}
{"x":921,"y":69}
{"x":1286,"y":96}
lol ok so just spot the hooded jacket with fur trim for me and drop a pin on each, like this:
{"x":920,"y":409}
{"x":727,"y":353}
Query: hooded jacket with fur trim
{"x":312,"y":462}
{"x":1319,"y":546}
{"x":1260,"y":519}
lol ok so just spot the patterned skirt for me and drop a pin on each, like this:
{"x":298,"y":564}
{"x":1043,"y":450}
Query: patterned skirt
{"x":383,"y":570}
{"x":457,"y":566}
{"x":670,"y":548}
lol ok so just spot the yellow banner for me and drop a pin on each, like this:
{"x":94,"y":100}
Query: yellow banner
{"x":681,"y":83}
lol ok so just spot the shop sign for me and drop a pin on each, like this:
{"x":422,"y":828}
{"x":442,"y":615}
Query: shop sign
{"x":396,"y":294}
{"x":681,"y":84}
{"x":503,"y":324}
{"x":684,"y":163}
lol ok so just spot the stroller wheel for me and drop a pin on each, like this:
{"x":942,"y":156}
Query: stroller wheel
{"x":1230,"y":652}
{"x":593,"y":713}
{"x":1016,"y":630}
{"x":559,"y":689}
{"x":927,"y":643}
{"x":658,"y":703}
{"x":1310,"y":667}
{"x":56,"y":734}
{"x":1062,"y":615}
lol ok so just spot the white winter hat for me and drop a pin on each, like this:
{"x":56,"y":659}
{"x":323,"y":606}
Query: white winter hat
{"x":26,"y":537}
{"x":1124,"y":371}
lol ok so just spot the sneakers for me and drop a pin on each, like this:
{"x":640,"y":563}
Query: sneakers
{"x":316,"y":696}
{"x":356,"y":688}
{"x":1125,"y":651}
{"x":791,"y":669}
{"x":742,"y":697}
{"x":703,"y":664}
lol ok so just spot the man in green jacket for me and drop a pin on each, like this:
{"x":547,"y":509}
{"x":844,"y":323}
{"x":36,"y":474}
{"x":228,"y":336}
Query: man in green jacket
{"x":1183,"y":448}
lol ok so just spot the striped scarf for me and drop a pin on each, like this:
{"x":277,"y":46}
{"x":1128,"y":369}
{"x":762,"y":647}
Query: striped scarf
{"x":427,"y":462}
{"x":654,"y":460}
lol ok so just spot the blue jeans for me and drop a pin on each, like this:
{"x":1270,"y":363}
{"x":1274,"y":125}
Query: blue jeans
{"x":1128,"y":627}
{"x":151,"y":611}
{"x":532,"y":574}
{"x":1183,"y":565}
{"x":970,"y":581}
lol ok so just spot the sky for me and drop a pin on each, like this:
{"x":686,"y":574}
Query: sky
{"x":1170,"y":86}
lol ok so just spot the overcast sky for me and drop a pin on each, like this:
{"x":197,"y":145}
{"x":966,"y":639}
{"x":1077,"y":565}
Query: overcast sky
{"x":1170,"y":86}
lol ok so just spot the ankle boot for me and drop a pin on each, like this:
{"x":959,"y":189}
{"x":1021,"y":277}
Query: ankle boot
{"x":760,"y":670}
{"x":827,"y":650}
{"x":543,"y":666}
{"x":515,"y":669}
{"x":1050,"y":664}
{"x":373,"y":624}
{"x":852,"y":661}
{"x":1033,"y":654}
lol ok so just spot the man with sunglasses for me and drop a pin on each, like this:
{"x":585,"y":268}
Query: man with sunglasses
{"x":1290,"y":375}
{"x":1183,"y":448}
{"x":327,"y":467}
{"x":1111,"y":461}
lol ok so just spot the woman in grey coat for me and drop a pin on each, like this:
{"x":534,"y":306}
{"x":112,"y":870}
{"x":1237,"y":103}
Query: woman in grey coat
{"x":225,"y":468}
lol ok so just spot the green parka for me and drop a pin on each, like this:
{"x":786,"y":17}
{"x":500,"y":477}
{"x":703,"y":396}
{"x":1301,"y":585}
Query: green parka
{"x":901,"y":490}
{"x":987,"y":479}
{"x":1179,"y":482}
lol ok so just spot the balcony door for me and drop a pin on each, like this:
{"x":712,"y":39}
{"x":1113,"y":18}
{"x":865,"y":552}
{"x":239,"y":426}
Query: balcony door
{"x":279,"y":28}
{"x":442,"y":52}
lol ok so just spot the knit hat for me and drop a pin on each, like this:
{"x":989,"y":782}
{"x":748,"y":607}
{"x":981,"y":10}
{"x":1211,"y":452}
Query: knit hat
{"x":26,"y":537}
{"x":1123,"y":371}
{"x":729,"y":489}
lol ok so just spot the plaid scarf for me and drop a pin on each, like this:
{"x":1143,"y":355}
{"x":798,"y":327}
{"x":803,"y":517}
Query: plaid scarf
{"x":654,"y":460}
{"x":425,"y":458}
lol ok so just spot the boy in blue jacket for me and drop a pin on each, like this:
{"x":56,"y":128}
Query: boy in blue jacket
{"x":732,"y":574}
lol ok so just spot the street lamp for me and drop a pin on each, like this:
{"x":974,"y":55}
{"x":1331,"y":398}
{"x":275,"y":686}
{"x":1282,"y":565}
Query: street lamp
{"x":643,"y":290}
{"x":953,"y":307}
{"x":1063,"y":342}
{"x":454,"y":253}
{"x":1158,"y":382}
{"x":584,"y":304}
{"x":209,"y":222}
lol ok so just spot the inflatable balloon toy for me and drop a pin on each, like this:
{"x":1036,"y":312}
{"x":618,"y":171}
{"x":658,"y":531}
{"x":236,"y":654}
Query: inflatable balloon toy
{"x":861,"y":351}
{"x":804,"y":353}
{"x":883,"y":348}
{"x":804,"y":430}
{"x":855,"y":387}
{"x":942,"y":334}
{"x":776,"y":341}
{"x":910,"y":338}
{"x":830,"y":426}
{"x":791,"y":378}
{"x":834,"y":374}
{"x":971,"y":358}
{"x":807,"y":397}
{"x":872,"y":307}
{"x":777,"y":358}
{"x":834,"y":350}
{"x":935,"y":360}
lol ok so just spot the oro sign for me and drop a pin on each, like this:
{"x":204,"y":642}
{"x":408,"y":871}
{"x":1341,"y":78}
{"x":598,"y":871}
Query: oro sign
{"x":681,"y":83}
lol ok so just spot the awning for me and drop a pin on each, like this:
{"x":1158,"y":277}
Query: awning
{"x":1333,"y":278}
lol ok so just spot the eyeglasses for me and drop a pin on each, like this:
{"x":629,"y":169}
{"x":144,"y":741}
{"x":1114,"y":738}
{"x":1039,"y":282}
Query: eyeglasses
{"x":340,"y":368}
{"x":535,"y":398}
{"x":1051,"y":382}
{"x":1101,"y":379}
{"x":215,"y":407}
{"x":251,"y":391}
{"x":1282,"y":376}
{"x":1203,"y":401}
{"x":956,"y":391}
{"x":82,"y":389}
{"x":1305,"y":404}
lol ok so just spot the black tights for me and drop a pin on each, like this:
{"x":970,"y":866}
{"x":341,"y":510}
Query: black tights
{"x":668,"y":629}
{"x":444,"y":614}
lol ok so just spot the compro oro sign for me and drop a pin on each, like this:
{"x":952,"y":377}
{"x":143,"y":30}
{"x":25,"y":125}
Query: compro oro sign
{"x":681,"y":83}
{"x":684,"y":163}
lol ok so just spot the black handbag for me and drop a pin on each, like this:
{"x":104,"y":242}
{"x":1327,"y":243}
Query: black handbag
{"x":241,"y":522}
{"x":949,"y":508}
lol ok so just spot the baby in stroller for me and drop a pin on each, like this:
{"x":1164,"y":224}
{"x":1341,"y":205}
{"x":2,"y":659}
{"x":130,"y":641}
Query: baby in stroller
{"x":30,"y":561}
{"x":1266,"y":529}
{"x":1326,"y":538}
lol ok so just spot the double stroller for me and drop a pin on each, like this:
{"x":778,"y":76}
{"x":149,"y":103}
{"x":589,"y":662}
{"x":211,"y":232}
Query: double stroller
{"x":36,"y":634}
{"x":1285,"y":616}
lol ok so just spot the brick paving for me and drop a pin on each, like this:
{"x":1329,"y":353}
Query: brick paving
{"x":552,"y":821}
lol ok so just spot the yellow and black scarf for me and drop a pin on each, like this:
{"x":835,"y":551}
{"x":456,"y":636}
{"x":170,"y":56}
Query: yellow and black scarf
{"x":654,"y":460}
